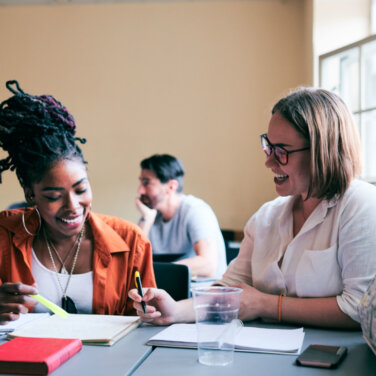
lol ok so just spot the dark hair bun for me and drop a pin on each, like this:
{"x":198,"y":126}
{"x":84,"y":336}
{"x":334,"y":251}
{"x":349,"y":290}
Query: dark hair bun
{"x":35,"y":131}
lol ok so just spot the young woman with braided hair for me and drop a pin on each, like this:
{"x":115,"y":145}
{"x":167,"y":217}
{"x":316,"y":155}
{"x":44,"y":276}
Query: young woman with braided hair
{"x":58,"y":247}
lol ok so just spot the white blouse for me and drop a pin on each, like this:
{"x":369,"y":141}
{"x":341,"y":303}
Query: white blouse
{"x":80,"y":288}
{"x":334,"y":253}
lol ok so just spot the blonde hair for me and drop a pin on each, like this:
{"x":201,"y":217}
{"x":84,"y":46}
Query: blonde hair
{"x":325,"y":121}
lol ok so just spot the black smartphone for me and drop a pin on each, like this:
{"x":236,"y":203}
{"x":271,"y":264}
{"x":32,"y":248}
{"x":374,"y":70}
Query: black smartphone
{"x":322,"y":356}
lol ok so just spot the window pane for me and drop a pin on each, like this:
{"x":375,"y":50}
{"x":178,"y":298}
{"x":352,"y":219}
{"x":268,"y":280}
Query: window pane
{"x":368,"y":137}
{"x":330,"y":74}
{"x":369,"y":75}
{"x":340,"y":73}
{"x":357,"y":122}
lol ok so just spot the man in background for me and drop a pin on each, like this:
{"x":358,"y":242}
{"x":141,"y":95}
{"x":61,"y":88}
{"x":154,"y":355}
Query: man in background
{"x":178,"y":223}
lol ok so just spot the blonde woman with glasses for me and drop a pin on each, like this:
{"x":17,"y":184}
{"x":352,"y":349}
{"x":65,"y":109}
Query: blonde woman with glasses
{"x":307,"y":256}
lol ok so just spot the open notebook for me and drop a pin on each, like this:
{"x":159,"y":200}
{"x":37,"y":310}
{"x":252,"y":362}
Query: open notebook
{"x":23,"y":319}
{"x":279,"y":341}
{"x":90,"y":329}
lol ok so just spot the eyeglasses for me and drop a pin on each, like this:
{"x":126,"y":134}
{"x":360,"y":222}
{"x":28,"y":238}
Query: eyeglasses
{"x":280,"y":153}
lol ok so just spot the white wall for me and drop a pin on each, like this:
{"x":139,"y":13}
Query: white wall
{"x":340,"y":22}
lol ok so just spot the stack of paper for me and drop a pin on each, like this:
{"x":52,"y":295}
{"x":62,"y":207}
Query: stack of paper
{"x":279,"y":341}
{"x":90,"y":329}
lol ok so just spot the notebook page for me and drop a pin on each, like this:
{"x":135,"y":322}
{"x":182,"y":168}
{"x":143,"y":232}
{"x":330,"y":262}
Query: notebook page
{"x":96,"y":328}
{"x":179,"y":333}
{"x":284,"y":341}
{"x":24,"y":319}
{"x":276,"y":340}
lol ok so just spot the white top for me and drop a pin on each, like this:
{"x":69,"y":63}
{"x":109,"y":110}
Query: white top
{"x":334,"y":254}
{"x":80,"y":288}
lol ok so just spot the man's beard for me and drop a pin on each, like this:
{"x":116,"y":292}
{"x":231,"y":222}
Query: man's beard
{"x":146,"y":200}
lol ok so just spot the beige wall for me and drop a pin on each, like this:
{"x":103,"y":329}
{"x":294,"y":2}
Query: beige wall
{"x":194,"y":79}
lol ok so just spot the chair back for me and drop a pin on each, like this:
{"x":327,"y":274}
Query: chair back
{"x":232,"y":250}
{"x":231,"y":244}
{"x":167,"y":257}
{"x":174,"y":278}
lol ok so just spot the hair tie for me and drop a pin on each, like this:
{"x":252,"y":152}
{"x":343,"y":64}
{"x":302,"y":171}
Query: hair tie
{"x":14,"y":82}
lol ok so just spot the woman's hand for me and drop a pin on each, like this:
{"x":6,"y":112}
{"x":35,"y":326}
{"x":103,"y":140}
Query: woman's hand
{"x":161,"y":308}
{"x":13,"y":300}
{"x":251,"y":302}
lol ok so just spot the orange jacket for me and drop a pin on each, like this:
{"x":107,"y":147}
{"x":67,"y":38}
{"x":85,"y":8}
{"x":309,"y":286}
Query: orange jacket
{"x":120,"y":248}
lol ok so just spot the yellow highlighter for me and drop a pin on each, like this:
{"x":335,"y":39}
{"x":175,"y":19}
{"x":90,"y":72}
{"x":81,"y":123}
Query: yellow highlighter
{"x":52,"y":306}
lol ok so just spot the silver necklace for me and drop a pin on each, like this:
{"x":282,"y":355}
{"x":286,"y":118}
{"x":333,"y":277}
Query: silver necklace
{"x":64,"y":290}
{"x":63,"y":270}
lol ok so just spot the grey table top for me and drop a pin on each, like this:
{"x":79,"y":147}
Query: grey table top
{"x":360,"y":360}
{"x":120,"y":359}
{"x":130,"y":356}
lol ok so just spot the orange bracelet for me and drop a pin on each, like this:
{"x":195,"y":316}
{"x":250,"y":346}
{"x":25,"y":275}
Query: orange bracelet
{"x":280,"y":308}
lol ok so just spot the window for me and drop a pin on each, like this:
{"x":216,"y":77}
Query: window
{"x":351,"y":73}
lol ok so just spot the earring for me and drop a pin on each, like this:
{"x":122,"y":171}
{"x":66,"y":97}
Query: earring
{"x":24,"y":224}
{"x":89,"y":212}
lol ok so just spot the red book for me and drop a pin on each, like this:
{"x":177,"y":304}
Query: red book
{"x":37,"y":356}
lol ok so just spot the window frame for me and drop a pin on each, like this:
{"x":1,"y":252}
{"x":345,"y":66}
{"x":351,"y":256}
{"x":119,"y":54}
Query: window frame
{"x":360,"y":111}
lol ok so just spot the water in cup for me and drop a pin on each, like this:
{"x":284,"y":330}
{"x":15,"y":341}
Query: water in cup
{"x":216,"y":311}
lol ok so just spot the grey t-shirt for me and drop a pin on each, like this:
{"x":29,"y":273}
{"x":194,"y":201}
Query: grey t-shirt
{"x":193,"y":221}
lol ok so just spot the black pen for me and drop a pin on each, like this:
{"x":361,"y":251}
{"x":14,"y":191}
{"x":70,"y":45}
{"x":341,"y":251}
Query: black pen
{"x":137,"y":280}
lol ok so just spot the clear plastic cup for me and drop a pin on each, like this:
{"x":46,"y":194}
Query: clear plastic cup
{"x":217,"y":323}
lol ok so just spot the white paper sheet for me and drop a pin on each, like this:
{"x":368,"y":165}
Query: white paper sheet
{"x":280,"y":341}
{"x":24,"y":319}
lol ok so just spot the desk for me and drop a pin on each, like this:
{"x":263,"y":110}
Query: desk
{"x":120,"y":359}
{"x":130,"y":356}
{"x":360,"y":361}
